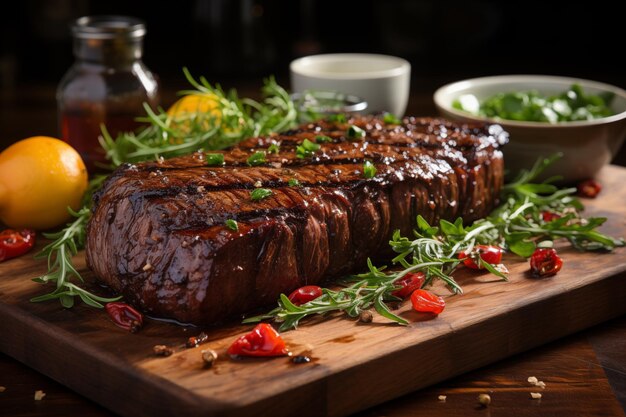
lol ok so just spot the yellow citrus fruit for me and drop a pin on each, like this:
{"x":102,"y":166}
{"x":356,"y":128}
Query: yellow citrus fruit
{"x":39,"y":178}
{"x":192,"y":104}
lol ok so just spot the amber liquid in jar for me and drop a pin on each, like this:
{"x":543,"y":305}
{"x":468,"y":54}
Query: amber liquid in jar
{"x":107,"y":85}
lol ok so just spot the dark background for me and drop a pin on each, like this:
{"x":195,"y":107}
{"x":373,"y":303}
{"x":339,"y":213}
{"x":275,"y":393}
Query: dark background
{"x":238,"y":42}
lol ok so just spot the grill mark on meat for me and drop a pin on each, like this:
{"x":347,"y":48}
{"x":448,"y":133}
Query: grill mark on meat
{"x":203,"y":272}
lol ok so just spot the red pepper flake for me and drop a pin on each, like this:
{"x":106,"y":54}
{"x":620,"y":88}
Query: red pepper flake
{"x":548,"y":216}
{"x":544,"y":262}
{"x":589,"y":189}
{"x":409,"y":283}
{"x":14,"y":243}
{"x":427,"y":302}
{"x":263,"y":340}
{"x":305,"y":294}
{"x":195,"y":341}
{"x":125,"y":316}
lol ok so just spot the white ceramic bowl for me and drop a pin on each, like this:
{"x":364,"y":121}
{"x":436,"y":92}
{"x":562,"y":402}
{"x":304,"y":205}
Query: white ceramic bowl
{"x":381,"y":80}
{"x":586,"y":145}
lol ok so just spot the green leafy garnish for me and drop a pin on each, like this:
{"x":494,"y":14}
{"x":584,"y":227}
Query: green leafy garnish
{"x":260,"y":194}
{"x":355,"y":132}
{"x":232,"y":225}
{"x":391,"y":119}
{"x":307,"y":148}
{"x":337,"y":118}
{"x":323,"y":139}
{"x":293,"y":182}
{"x":571,"y":105}
{"x":214,"y":159}
{"x":369,"y":170}
{"x":257,"y":158}
{"x":273,"y":148}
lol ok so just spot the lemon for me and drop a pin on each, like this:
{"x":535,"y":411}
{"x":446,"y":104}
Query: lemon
{"x":39,"y":178}
{"x":193,"y":104}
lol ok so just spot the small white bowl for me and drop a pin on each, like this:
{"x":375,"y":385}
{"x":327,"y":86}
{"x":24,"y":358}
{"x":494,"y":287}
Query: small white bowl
{"x":381,"y":80}
{"x":586,"y":145}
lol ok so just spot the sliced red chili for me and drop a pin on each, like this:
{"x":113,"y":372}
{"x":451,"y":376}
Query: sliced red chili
{"x":263,"y":340}
{"x":489,"y":254}
{"x":427,"y":302}
{"x":125,"y":316}
{"x":589,"y":188}
{"x":409,"y":283}
{"x":548,"y":216}
{"x":305,"y":294}
{"x":14,"y":243}
{"x":545,"y":262}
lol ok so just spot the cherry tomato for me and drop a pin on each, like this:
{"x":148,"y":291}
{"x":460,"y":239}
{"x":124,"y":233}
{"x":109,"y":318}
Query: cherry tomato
{"x":544,"y":262}
{"x":125,"y":316}
{"x":548,"y":216}
{"x":263,"y":340}
{"x":589,"y":188}
{"x":427,"y":302}
{"x":489,"y":254}
{"x":410,"y":282}
{"x":305,"y":294}
{"x":14,"y":243}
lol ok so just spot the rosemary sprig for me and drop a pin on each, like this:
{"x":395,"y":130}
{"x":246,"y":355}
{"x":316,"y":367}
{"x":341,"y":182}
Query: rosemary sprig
{"x":517,"y":225}
{"x":231,"y":120}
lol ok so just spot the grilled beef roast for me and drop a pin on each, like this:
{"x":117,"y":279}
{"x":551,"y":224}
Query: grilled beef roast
{"x":158,"y":233}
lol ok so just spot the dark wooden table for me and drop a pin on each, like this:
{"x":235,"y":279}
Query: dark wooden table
{"x":585,"y":374}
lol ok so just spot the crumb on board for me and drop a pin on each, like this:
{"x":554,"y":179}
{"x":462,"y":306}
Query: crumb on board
{"x":484,"y":399}
{"x":209,"y":356}
{"x":442,"y":398}
{"x":532,"y":380}
{"x":147,"y":267}
{"x":39,"y":394}
{"x":2,"y":389}
{"x":162,"y":350}
{"x":535,"y":395}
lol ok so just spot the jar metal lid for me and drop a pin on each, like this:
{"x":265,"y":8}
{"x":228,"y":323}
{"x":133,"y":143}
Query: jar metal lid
{"x":108,"y":27}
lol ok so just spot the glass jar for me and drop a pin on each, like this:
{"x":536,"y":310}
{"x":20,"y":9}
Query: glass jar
{"x":107,"y":84}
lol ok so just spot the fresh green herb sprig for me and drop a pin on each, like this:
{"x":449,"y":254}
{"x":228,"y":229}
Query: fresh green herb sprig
{"x":66,"y":243}
{"x":232,"y":120}
{"x":516,"y":225}
{"x":362,"y":292}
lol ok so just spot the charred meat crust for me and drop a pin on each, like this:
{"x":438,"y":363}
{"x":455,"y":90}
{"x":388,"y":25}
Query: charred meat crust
{"x":158,"y":233}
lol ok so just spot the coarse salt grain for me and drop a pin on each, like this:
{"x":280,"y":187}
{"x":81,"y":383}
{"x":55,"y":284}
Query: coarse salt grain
{"x":532,"y":380}
{"x":39,"y":394}
{"x":442,"y":398}
{"x":147,"y":267}
{"x":540,"y":384}
{"x":535,"y":395}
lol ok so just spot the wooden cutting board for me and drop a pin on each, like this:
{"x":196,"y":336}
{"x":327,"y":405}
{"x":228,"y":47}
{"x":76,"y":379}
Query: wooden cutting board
{"x":354,"y":365}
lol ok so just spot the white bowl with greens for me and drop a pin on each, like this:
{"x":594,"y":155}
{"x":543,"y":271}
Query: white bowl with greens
{"x":584,"y":120}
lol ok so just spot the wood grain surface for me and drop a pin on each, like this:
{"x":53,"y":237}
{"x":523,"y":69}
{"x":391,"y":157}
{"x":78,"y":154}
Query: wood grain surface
{"x":354,"y":367}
